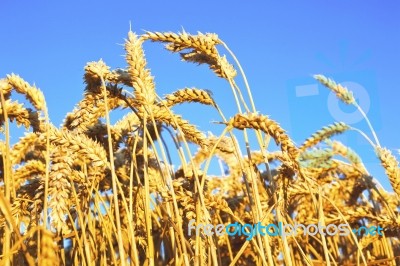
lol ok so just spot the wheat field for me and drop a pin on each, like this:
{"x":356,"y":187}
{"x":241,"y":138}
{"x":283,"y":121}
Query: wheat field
{"x":93,"y":192}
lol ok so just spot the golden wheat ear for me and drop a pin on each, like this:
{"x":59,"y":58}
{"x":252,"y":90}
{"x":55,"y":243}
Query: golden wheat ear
{"x":142,"y":81}
{"x":189,"y":95}
{"x":202,"y":50}
{"x":391,"y":165}
{"x":268,"y":126}
{"x":32,"y":94}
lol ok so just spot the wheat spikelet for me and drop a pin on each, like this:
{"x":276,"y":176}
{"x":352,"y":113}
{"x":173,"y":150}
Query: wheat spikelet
{"x":217,"y":203}
{"x":341,"y":92}
{"x":224,"y":69}
{"x":82,"y":150}
{"x":188,"y":95}
{"x":225,"y":144}
{"x":268,"y":126}
{"x":317,"y":160}
{"x":258,"y":158}
{"x":83,"y":116}
{"x":324,"y":133}
{"x":97,"y":131}
{"x":142,"y":81}
{"x":224,"y":151}
{"x":200,"y":156}
{"x":391,"y":166}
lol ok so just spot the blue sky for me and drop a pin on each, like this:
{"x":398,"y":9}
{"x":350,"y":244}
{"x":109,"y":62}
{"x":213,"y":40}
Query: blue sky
{"x":279,"y":44}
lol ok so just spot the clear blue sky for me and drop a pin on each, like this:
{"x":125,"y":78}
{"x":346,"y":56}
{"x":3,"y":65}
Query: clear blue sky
{"x":280,"y":45}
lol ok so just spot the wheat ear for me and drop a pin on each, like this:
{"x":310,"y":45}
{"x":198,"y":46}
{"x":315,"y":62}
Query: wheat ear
{"x":142,"y":81}
{"x":391,"y":166}
{"x":268,"y":126}
{"x":189,"y":95}
{"x":341,"y":92}
{"x":33,"y":94}
{"x":324,"y":133}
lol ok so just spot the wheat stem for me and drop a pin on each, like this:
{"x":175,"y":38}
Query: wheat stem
{"x":114,"y":177}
